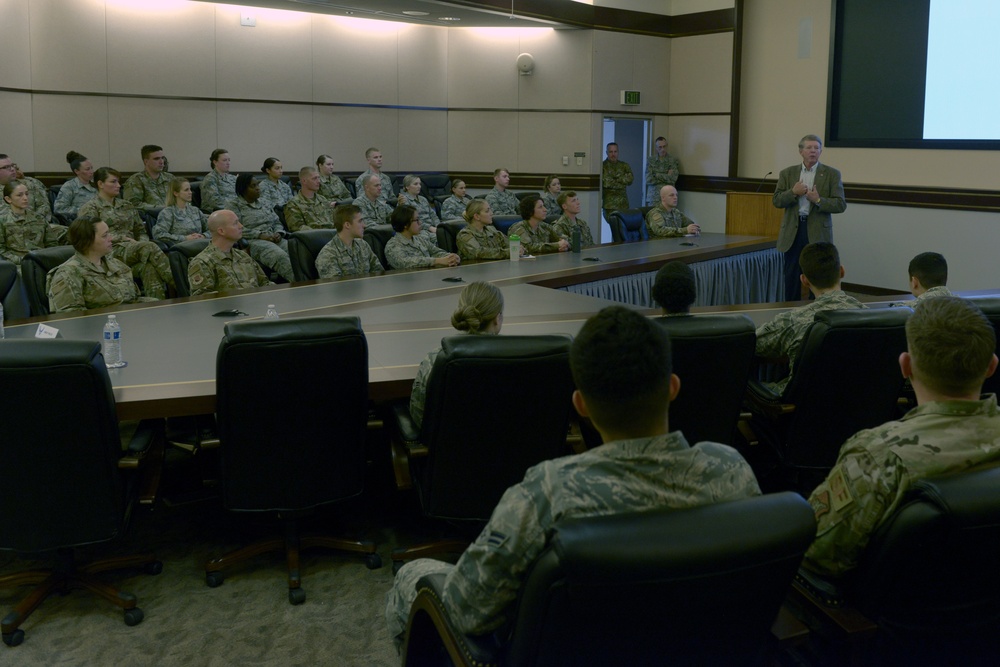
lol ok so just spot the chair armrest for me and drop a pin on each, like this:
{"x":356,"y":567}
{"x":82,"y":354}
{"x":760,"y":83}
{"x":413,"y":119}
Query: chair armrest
{"x":145,"y":455}
{"x":407,"y":430}
{"x":765,"y":401}
{"x":430,"y":629}
{"x":810,"y":599}
{"x":405,"y":444}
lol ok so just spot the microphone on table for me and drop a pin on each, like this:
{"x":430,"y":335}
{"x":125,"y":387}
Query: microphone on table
{"x":762,"y":181}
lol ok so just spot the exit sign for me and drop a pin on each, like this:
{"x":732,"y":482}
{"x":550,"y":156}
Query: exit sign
{"x":630,"y":97}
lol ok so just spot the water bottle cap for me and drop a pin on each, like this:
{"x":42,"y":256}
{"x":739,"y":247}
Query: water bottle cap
{"x":270,"y":305}
{"x":515,"y":237}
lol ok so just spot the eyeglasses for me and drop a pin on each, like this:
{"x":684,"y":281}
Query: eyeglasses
{"x":11,"y":166}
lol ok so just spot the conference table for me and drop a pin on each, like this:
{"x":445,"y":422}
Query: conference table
{"x":171,"y":345}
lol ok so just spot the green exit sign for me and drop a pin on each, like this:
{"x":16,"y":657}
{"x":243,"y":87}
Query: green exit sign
{"x":630,"y":97}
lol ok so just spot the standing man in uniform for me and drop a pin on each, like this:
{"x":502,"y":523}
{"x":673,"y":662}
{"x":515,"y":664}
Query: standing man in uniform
{"x":810,"y":193}
{"x":147,"y":189}
{"x":615,"y":177}
{"x":374,"y":157}
{"x":662,"y":169}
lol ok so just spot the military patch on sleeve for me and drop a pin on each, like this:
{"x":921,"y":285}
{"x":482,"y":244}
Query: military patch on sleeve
{"x":840,"y":492}
{"x":496,"y":540}
{"x":197,"y":279}
{"x":821,"y":503}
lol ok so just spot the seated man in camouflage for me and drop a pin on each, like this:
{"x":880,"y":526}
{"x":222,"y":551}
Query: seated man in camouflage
{"x":374,"y":211}
{"x":220,"y":267}
{"x":147,"y":189}
{"x":347,"y":254}
{"x":928,"y":278}
{"x":570,"y":220}
{"x":38,"y":194}
{"x":622,"y":368}
{"x":308,"y":209}
{"x":501,"y":201}
{"x":821,"y":273}
{"x":665,"y":219}
{"x":950,"y":352}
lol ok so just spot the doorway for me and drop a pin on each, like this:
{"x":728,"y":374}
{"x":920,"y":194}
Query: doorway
{"x":634,"y":145}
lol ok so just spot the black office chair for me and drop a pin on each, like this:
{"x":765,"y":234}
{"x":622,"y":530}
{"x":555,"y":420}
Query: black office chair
{"x":628,"y":225}
{"x":349,"y":183}
{"x":522,"y":195}
{"x":376,"y":236}
{"x":303,"y":248}
{"x":195,"y":191}
{"x":991,"y":308}
{"x":285,"y":464}
{"x":505,"y":222}
{"x":35,"y":266}
{"x":712,"y":355}
{"x":435,"y":186}
{"x":12,"y":292}
{"x":60,"y":480}
{"x":447,"y":235}
{"x":473,"y":455}
{"x":846,"y":379}
{"x":698,"y":586}
{"x":180,"y":255}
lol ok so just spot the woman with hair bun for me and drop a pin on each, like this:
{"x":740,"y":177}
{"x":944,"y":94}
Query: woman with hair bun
{"x":480,"y":239}
{"x":273,"y":190}
{"x":218,"y":186}
{"x":78,"y":190}
{"x":479,"y":312}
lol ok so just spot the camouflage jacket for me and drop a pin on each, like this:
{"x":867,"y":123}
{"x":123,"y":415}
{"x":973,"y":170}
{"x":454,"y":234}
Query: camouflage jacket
{"x":661,"y":222}
{"x":502,"y":203}
{"x":540,"y":240}
{"x":403,"y":253}
{"x":216,"y":190}
{"x":19,"y":236}
{"x":144,"y":193}
{"x":488,"y":243}
{"x":336,"y":259}
{"x":212,"y":270}
{"x":72,"y":195}
{"x":564,"y":227}
{"x":615,"y":177}
{"x":77,"y":284}
{"x":302,"y":213}
{"x":122,"y":218}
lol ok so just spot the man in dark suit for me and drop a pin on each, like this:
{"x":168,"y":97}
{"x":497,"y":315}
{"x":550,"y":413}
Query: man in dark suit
{"x":810,"y":193}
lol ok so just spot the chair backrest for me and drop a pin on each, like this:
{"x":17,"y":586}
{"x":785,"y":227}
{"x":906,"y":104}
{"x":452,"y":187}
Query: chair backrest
{"x":377,"y":236}
{"x":180,"y":255}
{"x":697,"y":586}
{"x":34,"y":267}
{"x":930,"y":570}
{"x":846,"y":379}
{"x":59,"y":483}
{"x":712,"y":355}
{"x":195,"y":192}
{"x":12,"y":293}
{"x":447,"y":235}
{"x":505,"y":222}
{"x":435,"y":185}
{"x":628,"y":225}
{"x":303,"y":248}
{"x":349,"y":184}
{"x":296,"y":454}
{"x":476,"y":453}
{"x":991,"y":308}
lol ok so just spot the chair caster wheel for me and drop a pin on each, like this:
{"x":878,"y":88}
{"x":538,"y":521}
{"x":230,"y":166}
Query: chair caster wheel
{"x":154,"y":568}
{"x":214,"y":579}
{"x":13,"y":638}
{"x":133,"y":616}
{"x":373,"y":561}
{"x":396,"y":564}
{"x":296,"y":596}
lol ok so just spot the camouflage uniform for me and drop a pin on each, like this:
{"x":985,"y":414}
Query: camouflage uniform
{"x":19,"y":236}
{"x":489,"y":243}
{"x":551,"y":203}
{"x":336,"y":259}
{"x":274,"y":193}
{"x":415,"y":253}
{"x":148,"y":263}
{"x":387,"y":193}
{"x":257,"y":220}
{"x":932,"y":292}
{"x":72,"y":195}
{"x":77,"y":284}
{"x":146,"y":194}
{"x":38,"y":196}
{"x":373,"y":212}
{"x":425,"y":212}
{"x":216,"y":190}
{"x":174,"y":223}
{"x":615,"y":177}
{"x":564,"y":228}
{"x":418,"y":393}
{"x":663,"y":223}
{"x":537,"y":241}
{"x":212,"y":270}
{"x":782,"y":336}
{"x":502,"y":203}
{"x":618,"y":477}
{"x":302,"y":213}
{"x":332,"y":187}
{"x":877,"y":466}
{"x":660,"y":171}
{"x":453,"y":208}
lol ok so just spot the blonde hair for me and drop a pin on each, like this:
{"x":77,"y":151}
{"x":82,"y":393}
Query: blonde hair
{"x":475,"y":207}
{"x":175,"y":187}
{"x":479,"y":304}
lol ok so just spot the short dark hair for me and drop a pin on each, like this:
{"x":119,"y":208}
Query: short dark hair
{"x":951,"y":343}
{"x":401,"y":217}
{"x":820,"y":263}
{"x":930,"y":268}
{"x":216,"y":154}
{"x":497,"y":172}
{"x":82,"y":232}
{"x":103,"y":173}
{"x":343,"y":215}
{"x":564,"y":197}
{"x":268,"y":163}
{"x":661,"y":138}
{"x":674,"y":287}
{"x":243,"y":182}
{"x":149,"y":149}
{"x":323,"y":158}
{"x":610,"y":144}
{"x":621,"y":364}
{"x":526,"y":207}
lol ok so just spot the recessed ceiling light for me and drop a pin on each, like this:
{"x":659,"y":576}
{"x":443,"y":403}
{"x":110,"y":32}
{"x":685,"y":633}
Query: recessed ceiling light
{"x":411,"y":12}
{"x":448,"y":18}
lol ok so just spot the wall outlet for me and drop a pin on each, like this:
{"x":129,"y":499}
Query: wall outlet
{"x":248,"y":20}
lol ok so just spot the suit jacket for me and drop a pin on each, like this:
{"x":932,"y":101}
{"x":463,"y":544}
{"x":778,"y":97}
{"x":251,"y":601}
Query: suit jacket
{"x":820,"y":223}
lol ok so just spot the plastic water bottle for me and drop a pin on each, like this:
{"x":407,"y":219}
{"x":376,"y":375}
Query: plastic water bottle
{"x":515,"y":248}
{"x":576,"y":240}
{"x":112,"y":344}
{"x":272,"y":312}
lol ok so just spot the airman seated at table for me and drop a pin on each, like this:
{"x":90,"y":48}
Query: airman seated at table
{"x":347,"y":254}
{"x":570,"y":220}
{"x":501,"y":200}
{"x":308,"y":209}
{"x":409,"y":249}
{"x":374,"y":211}
{"x":38,"y":195}
{"x":21,"y":229}
{"x":928,"y":273}
{"x":180,"y":220}
{"x":480,"y":239}
{"x":537,"y":236}
{"x":147,"y":189}
{"x":220,"y":267}
{"x":666,"y":220}
{"x":621,"y":365}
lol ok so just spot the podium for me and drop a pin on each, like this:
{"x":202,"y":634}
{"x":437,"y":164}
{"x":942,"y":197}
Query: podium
{"x":752,"y":213}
